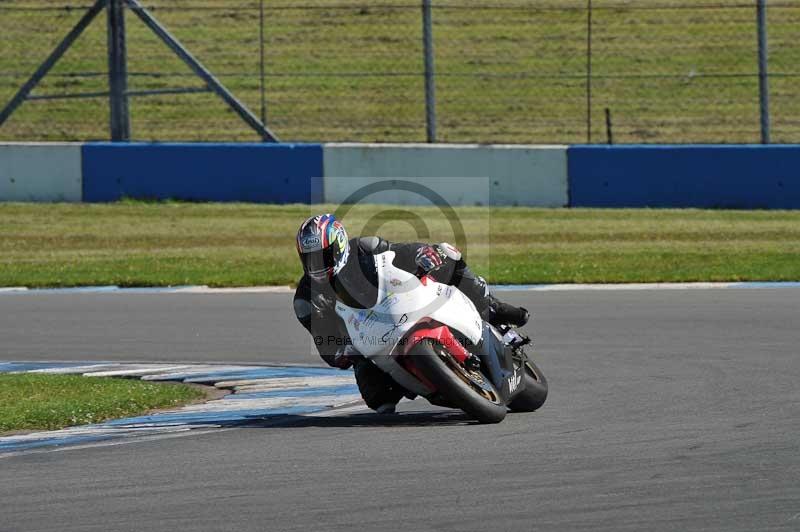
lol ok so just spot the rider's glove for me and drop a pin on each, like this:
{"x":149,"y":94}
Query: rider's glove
{"x":345,"y":357}
{"x":430,"y":258}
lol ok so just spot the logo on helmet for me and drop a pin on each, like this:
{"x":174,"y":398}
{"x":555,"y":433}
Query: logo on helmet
{"x":311,"y":242}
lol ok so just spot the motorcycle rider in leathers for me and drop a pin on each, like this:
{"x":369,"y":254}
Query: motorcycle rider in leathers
{"x":336,"y":267}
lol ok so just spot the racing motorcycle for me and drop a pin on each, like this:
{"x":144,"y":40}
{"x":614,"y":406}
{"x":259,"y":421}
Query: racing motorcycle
{"x":432,"y":341}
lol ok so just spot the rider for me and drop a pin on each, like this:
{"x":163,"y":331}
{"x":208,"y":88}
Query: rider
{"x":336,"y":267}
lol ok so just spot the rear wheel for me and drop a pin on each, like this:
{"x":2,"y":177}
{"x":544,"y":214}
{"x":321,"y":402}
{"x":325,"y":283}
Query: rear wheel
{"x":535,"y":392}
{"x":468,"y":390}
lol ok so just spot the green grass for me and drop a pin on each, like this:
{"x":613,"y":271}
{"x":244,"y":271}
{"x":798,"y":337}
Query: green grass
{"x":353,"y":70}
{"x":35,"y":402}
{"x":163,"y":244}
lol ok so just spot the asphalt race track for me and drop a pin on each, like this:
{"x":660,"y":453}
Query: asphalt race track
{"x":668,"y":410}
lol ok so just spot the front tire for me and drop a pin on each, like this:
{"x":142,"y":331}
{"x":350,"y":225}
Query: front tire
{"x":535,"y":392}
{"x":470,"y":391}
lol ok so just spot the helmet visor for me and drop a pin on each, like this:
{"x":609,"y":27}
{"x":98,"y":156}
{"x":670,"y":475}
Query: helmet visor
{"x":319,"y":264}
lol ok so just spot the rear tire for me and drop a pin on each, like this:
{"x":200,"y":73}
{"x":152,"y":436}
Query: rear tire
{"x":535,"y":393}
{"x":456,"y":385}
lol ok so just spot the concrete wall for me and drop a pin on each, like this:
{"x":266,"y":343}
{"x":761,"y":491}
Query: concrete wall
{"x":461,"y":174}
{"x":735,"y":176}
{"x":40,"y":172}
{"x":261,"y":173}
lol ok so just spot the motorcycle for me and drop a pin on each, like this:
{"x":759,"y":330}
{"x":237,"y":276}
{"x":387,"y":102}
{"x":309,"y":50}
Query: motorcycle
{"x":430,"y":339}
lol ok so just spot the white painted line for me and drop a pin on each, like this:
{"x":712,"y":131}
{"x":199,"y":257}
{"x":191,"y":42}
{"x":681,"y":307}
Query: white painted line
{"x":73,"y":370}
{"x":148,"y":290}
{"x":138,"y":371}
{"x":176,"y":432}
{"x":75,"y":290}
{"x":242,"y":290}
{"x":625,"y":286}
{"x":282,"y":383}
{"x":498,"y":288}
{"x":154,"y":432}
{"x":194,"y":371}
{"x":309,"y":385}
{"x":230,"y":403}
{"x":642,"y":286}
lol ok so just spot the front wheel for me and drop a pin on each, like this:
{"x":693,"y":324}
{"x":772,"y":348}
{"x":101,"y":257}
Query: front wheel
{"x":468,"y":390}
{"x":535,"y":392}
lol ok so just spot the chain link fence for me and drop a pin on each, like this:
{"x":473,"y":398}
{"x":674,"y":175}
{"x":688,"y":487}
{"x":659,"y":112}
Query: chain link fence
{"x":505,"y":71}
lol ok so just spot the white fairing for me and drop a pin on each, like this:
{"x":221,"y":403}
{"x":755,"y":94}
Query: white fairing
{"x":403,"y":300}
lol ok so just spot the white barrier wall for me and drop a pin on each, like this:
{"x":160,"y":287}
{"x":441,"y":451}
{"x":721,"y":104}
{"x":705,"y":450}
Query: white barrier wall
{"x":462,"y":174}
{"x":40,"y":172}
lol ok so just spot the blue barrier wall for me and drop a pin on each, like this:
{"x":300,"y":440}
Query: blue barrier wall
{"x":736,"y":176}
{"x":262,"y":173}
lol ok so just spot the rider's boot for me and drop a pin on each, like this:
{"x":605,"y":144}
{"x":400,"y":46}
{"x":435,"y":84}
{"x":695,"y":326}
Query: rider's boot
{"x":386,"y":408}
{"x":492,"y":309}
{"x":499,"y":313}
{"x":378,"y":389}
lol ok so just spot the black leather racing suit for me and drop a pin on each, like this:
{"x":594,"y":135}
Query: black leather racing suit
{"x":355,"y":285}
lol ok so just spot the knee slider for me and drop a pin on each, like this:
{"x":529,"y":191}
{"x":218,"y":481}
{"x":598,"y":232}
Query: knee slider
{"x":303,"y":310}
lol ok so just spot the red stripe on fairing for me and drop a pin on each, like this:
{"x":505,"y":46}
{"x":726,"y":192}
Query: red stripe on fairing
{"x":438,"y":333}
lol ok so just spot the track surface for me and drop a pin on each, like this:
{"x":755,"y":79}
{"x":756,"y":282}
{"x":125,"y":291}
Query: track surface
{"x":668,"y":410}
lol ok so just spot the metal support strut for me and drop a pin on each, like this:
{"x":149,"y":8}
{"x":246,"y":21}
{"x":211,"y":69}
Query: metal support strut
{"x":118,"y":92}
{"x":44,"y":68}
{"x":212,"y":82}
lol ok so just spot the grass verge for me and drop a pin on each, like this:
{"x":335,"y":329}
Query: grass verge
{"x":168,"y":244}
{"x":49,"y":402}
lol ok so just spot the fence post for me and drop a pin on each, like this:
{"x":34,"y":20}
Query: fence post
{"x":763,"y":71}
{"x":589,"y":72}
{"x":261,"y":66}
{"x":430,"y":70}
{"x":118,"y":73}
